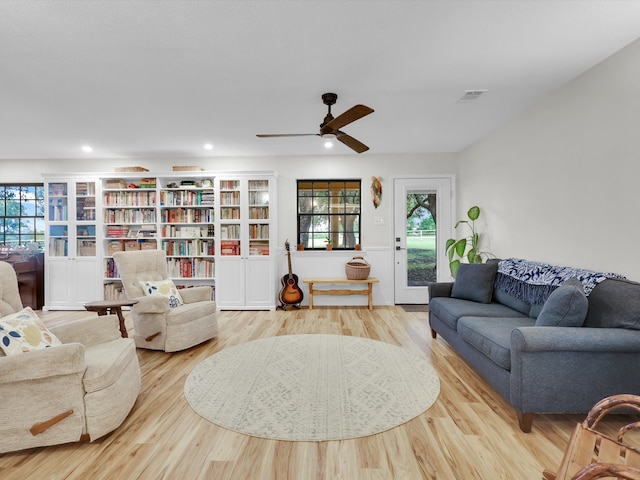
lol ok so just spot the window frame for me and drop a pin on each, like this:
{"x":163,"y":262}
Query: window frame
{"x":338,"y":216}
{"x":27,"y":200}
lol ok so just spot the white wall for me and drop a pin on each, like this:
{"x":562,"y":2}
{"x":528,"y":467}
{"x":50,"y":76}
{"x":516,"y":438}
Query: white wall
{"x":560,"y":183}
{"x":376,"y":239}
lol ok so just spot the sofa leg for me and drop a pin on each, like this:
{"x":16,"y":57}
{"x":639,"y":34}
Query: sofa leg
{"x":525,"y":420}
{"x":434,"y":334}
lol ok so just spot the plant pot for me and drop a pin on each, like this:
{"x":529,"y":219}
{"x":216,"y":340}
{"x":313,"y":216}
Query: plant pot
{"x":300,"y":247}
{"x":358,"y":246}
{"x":329,"y":248}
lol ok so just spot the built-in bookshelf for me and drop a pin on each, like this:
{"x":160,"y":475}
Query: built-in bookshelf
{"x":187,"y":226}
{"x":196,"y":218}
{"x":129,"y":219}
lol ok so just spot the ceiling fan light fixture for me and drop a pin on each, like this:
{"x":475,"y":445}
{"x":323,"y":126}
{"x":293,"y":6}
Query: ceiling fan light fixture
{"x":328,"y":139}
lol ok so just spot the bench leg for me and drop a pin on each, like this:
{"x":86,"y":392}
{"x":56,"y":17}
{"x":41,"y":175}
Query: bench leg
{"x":311,"y":296}
{"x":370,"y":296}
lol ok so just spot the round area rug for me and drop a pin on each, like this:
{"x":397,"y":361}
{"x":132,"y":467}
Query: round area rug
{"x":312,"y":387}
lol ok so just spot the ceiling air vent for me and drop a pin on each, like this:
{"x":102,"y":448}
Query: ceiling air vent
{"x":470,"y":96}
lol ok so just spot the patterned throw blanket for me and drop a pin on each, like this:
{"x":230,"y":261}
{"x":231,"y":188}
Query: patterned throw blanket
{"x":533,"y":282}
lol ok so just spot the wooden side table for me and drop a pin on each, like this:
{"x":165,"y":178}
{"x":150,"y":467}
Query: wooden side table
{"x":114,"y":307}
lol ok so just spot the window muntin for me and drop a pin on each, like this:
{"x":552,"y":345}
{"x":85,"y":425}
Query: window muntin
{"x":21,"y":214}
{"x":329,"y":210}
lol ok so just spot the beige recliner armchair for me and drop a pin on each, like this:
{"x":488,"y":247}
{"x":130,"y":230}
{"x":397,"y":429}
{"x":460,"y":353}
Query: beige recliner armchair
{"x":77,"y":391}
{"x":157,"y":326}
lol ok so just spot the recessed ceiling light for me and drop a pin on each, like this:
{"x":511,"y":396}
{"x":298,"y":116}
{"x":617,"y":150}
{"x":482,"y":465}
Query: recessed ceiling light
{"x":208,"y":146}
{"x":87,"y":149}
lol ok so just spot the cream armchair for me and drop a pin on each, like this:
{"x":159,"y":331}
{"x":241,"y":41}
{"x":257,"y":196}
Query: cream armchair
{"x":78,"y":391}
{"x":156,"y":325}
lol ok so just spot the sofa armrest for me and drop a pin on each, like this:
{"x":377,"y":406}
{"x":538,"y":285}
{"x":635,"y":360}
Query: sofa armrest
{"x":200,"y":293}
{"x":567,"y":370}
{"x":440,"y":289}
{"x":151,"y":304}
{"x":38,"y":364}
{"x":572,"y":339}
{"x":89,"y":331}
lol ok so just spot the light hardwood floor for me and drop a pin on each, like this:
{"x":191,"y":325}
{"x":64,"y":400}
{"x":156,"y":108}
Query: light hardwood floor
{"x":469,"y":433}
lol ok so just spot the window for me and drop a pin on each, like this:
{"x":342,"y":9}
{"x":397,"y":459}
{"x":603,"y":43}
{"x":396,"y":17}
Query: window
{"x":329,"y":211}
{"x":21,"y":214}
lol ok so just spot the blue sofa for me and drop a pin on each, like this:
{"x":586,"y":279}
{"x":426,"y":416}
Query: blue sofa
{"x":515,"y":334}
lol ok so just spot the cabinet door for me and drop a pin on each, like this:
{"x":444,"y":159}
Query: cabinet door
{"x":230,"y":282}
{"x":58,"y":286}
{"x":260,"y":282}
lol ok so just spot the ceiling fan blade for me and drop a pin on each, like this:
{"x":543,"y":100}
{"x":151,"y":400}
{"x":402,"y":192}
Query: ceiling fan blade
{"x":354,"y":113}
{"x":351,"y":142}
{"x":269,"y":135}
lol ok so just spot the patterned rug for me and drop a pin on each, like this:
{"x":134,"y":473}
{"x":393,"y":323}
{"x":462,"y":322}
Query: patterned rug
{"x":312,"y":387}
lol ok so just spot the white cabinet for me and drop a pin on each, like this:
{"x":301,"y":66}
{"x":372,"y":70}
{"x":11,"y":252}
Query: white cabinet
{"x":71,"y":266}
{"x":245,"y":250}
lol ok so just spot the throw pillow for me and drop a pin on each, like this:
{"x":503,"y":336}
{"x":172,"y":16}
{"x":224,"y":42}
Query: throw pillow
{"x":166,"y":288}
{"x":566,"y":306}
{"x":474,"y":281}
{"x":23,"y":332}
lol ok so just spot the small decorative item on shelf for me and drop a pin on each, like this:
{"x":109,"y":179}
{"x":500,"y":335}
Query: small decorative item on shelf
{"x":300,"y":247}
{"x":130,"y":169}
{"x":329,"y":244}
{"x":358,"y":246}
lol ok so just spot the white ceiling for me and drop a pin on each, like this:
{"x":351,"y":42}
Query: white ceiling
{"x":145,"y":79}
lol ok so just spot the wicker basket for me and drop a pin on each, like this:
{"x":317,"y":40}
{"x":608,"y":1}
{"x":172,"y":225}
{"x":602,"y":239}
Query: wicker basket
{"x":357,"y":269}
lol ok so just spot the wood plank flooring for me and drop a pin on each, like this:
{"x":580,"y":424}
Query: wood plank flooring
{"x":469,"y":433}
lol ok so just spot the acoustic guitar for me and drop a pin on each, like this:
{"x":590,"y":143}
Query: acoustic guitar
{"x":290,"y":294}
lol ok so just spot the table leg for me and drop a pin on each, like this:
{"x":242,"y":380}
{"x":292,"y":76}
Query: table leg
{"x":310,"y":295}
{"x":123,"y":329}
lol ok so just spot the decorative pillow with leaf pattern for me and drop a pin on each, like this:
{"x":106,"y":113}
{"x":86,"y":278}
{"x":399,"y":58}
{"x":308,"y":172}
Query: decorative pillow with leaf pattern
{"x":166,"y":288}
{"x":24,"y":331}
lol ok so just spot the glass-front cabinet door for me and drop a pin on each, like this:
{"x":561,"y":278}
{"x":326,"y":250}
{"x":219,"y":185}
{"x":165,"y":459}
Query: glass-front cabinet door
{"x":71,"y":262}
{"x":245,"y":257}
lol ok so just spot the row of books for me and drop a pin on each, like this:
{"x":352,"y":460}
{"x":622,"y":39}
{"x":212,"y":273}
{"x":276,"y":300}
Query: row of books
{"x":130,"y":199}
{"x":113,"y":291}
{"x":188,"y":247}
{"x":190,"y":268}
{"x":230,"y":213}
{"x":188,"y":215}
{"x":229,"y":198}
{"x":258,"y":231}
{"x":177,"y":231}
{"x":130,"y":216}
{"x":187,"y":197}
{"x":258,"y":213}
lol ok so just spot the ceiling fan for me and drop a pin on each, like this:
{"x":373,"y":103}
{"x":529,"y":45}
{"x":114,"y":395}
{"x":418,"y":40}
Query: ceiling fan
{"x":330,"y":127}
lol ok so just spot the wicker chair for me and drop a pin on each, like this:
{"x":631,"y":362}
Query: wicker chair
{"x":156,"y":325}
{"x":591,"y":454}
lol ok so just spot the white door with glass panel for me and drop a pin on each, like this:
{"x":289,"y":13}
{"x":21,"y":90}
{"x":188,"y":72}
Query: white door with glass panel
{"x":422,"y":223}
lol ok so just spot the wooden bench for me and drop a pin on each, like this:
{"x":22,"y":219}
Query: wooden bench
{"x":345,"y":291}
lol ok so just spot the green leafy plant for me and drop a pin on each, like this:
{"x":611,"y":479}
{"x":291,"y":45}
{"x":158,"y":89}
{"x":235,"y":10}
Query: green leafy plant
{"x":466,"y":248}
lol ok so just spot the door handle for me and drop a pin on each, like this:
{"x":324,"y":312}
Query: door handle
{"x":400,"y":248}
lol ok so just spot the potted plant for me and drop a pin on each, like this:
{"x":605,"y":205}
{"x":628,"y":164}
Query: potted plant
{"x":466,"y":248}
{"x":329,"y":244}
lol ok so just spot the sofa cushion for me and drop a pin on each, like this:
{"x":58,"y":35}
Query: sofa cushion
{"x":614,"y":303}
{"x":474,"y":281}
{"x":23,"y":331}
{"x":449,"y":310}
{"x":511,"y":301}
{"x":566,"y":306}
{"x":492,"y":336}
